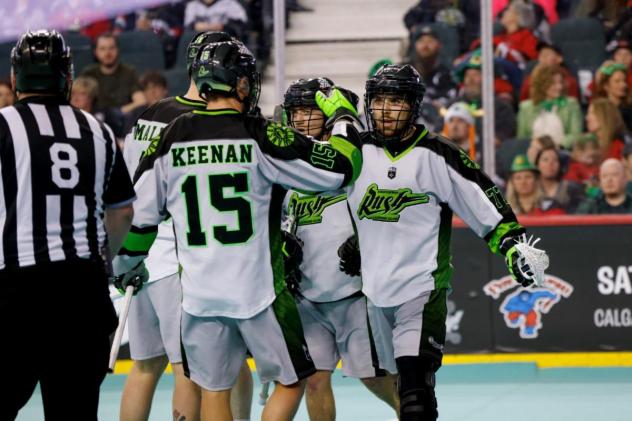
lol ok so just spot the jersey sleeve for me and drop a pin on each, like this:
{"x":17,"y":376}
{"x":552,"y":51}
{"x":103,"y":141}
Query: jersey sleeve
{"x":119,"y":191}
{"x":477,"y":200}
{"x":150,"y":181}
{"x":296,"y":161}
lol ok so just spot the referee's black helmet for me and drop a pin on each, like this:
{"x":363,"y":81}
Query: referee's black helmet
{"x":42,"y":63}
{"x":220,"y":69}
{"x":200,"y":41}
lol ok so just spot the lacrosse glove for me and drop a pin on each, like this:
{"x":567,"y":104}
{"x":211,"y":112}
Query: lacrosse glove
{"x":335,"y":106}
{"x":136,"y":277}
{"x":292,"y":258}
{"x":349,"y":253}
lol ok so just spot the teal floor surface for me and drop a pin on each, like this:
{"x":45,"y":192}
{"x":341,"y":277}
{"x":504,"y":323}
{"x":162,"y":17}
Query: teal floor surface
{"x":485,"y":392}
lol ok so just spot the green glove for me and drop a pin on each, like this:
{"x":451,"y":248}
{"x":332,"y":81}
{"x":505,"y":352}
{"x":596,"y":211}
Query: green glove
{"x":333,"y":103}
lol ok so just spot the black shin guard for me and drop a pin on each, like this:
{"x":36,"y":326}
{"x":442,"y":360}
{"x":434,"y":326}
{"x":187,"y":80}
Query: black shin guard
{"x":416,"y":388}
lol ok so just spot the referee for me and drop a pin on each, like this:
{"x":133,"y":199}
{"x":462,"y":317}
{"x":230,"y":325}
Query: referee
{"x":65,"y":198}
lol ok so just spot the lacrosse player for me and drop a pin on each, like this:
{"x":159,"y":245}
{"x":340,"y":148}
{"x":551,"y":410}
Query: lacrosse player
{"x":331,"y":304}
{"x":154,"y":318}
{"x":402,"y":204}
{"x":219,"y":173}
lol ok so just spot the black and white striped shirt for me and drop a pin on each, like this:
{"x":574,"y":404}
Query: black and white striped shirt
{"x":60,"y":168}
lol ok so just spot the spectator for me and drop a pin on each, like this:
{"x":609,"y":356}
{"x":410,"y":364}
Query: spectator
{"x":583,"y":167}
{"x":523,"y":190}
{"x":7,"y":96}
{"x":550,"y":55}
{"x":605,"y":122}
{"x":469,"y":75}
{"x":84,"y":93}
{"x":537,"y":144}
{"x":118,"y":82}
{"x":516,"y":43}
{"x":424,"y":12}
{"x":627,"y":162}
{"x":548,"y":8}
{"x":549,"y":111}
{"x":440,"y":86}
{"x":613,"y":14}
{"x":614,"y":199}
{"x":459,"y":127}
{"x":155,"y":88}
{"x":216,"y":15}
{"x":611,"y":83}
{"x":621,"y":51}
{"x":556,"y":192}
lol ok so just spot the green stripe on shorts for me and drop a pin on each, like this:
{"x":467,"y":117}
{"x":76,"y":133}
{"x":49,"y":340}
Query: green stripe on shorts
{"x":433,"y":329}
{"x":287,"y":315}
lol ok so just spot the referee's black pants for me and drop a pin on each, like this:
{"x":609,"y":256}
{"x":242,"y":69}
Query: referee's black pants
{"x":56,"y":320}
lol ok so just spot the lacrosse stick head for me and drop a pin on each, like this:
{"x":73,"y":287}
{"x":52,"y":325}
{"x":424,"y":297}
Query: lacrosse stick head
{"x":532,"y":262}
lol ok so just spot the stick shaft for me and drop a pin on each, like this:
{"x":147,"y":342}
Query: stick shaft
{"x":263,"y":396}
{"x":118,"y":336}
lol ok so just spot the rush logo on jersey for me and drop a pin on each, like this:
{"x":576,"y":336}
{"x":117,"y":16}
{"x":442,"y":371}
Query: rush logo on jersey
{"x":309,"y":209}
{"x":386,"y":205}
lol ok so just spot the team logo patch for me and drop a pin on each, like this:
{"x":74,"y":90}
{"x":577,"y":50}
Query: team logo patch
{"x":153,"y":146}
{"x":523,"y":308}
{"x":309,"y":209}
{"x":467,"y":161}
{"x":386,"y":205}
{"x":392,"y":172}
{"x":279,"y":135}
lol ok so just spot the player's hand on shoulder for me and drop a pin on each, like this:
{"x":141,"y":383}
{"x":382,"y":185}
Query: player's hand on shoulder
{"x":135,"y":277}
{"x":292,"y":259}
{"x":349,"y":253}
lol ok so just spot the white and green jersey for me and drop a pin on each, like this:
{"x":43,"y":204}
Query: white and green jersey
{"x":323,"y":224}
{"x":220,"y":175}
{"x":162,"y":260}
{"x":402,"y":206}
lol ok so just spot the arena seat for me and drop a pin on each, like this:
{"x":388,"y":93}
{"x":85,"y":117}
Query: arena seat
{"x":141,"y":49}
{"x":582,"y":42}
{"x":5,"y":59}
{"x":81,"y":48}
{"x":181,"y":54}
{"x":177,"y":81}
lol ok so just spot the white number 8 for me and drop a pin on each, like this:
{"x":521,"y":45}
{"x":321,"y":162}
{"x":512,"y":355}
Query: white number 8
{"x":68,"y":163}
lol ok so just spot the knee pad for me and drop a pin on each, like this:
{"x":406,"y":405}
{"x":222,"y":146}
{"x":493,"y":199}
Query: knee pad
{"x":416,"y":388}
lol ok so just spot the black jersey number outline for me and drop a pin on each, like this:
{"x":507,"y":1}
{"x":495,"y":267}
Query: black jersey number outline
{"x":217,"y":183}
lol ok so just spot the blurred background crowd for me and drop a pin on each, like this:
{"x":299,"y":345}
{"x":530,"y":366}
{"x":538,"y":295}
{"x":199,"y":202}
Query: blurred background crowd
{"x":563,"y":83}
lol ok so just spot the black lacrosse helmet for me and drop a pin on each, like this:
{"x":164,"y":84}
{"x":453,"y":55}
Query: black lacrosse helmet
{"x":401,"y":80}
{"x":218,"y":68}
{"x":302,"y":93}
{"x":202,"y":39}
{"x":42,"y":63}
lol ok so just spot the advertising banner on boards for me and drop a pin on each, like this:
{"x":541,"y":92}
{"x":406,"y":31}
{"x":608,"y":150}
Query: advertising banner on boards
{"x":585,"y":303}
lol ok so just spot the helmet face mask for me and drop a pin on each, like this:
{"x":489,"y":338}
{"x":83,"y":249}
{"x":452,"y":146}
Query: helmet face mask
{"x":227,"y":69}
{"x":299,"y":105}
{"x":392,"y":101}
{"x":390,"y":113}
{"x":42,"y":63}
{"x":310,"y":121}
